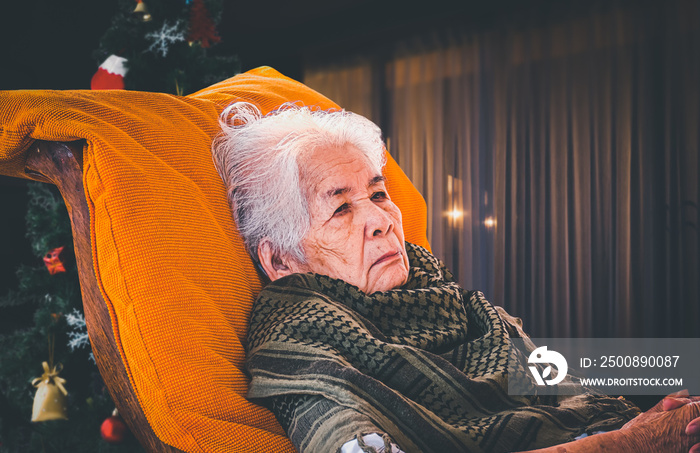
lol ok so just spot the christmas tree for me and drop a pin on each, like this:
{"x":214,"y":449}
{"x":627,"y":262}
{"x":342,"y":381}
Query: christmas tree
{"x":56,"y":334}
{"x":168,"y":45}
{"x":161,"y":45}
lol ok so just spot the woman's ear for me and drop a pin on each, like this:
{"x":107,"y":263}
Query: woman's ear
{"x":275,"y":266}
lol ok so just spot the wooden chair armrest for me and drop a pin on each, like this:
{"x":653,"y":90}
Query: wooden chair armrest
{"x":61,"y":164}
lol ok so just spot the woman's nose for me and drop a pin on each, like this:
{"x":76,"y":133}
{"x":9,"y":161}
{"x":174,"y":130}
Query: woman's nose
{"x":377,"y":221}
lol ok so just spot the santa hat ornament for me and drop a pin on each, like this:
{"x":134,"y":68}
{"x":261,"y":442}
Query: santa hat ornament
{"x":110,"y":75}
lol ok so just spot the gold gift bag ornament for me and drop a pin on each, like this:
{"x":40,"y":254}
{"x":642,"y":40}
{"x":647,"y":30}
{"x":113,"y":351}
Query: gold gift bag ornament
{"x":50,"y":398}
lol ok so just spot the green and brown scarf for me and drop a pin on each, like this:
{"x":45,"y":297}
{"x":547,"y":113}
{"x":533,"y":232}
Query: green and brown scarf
{"x":425,"y":364}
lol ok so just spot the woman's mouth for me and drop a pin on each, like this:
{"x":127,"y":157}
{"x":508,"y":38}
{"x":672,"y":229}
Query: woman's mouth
{"x":387,"y":257}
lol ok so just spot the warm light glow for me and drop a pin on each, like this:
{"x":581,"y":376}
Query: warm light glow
{"x":490,"y":222}
{"x":455,"y":214}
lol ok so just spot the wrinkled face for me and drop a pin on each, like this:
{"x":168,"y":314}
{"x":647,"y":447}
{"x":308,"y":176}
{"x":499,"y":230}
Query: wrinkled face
{"x":356,"y":233}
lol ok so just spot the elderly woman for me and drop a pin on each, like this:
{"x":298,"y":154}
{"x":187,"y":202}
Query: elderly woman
{"x":362,"y":342}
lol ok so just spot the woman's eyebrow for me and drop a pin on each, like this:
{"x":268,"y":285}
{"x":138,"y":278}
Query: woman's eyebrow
{"x":376,"y":180}
{"x":337,"y":191}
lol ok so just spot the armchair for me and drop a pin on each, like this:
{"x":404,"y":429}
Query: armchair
{"x":166,"y":282}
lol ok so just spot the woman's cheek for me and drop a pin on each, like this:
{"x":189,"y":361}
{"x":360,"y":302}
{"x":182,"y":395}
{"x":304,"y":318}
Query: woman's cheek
{"x":336,"y":238}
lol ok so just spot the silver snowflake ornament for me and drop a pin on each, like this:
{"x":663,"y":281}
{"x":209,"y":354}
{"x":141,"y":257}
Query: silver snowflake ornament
{"x":165,"y":37}
{"x":78,"y":336}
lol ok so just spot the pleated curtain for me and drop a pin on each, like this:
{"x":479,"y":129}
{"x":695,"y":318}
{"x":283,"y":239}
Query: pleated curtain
{"x":558,"y":157}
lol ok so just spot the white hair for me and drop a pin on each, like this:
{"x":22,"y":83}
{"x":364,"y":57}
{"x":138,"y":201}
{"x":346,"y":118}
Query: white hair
{"x":259,"y":156}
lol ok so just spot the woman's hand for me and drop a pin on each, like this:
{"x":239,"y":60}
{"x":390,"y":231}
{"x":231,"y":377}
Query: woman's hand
{"x":660,"y":429}
{"x":676,"y":400}
{"x":666,"y":426}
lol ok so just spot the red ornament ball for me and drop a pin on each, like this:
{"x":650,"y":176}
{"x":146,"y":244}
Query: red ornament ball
{"x":114,"y":430}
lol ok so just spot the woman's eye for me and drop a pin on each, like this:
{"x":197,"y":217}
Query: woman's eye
{"x":379,"y":196}
{"x":342,"y":209}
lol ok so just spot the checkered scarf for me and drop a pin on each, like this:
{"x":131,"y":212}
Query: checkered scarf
{"x":425,"y":364}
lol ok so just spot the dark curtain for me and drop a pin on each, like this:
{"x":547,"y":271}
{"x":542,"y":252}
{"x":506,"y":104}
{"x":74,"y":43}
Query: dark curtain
{"x":558,"y":156}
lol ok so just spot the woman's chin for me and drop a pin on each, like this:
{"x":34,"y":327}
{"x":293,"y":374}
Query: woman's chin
{"x":390,"y":278}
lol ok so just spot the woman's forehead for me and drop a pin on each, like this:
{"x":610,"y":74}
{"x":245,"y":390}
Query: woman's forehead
{"x":334,"y":172}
